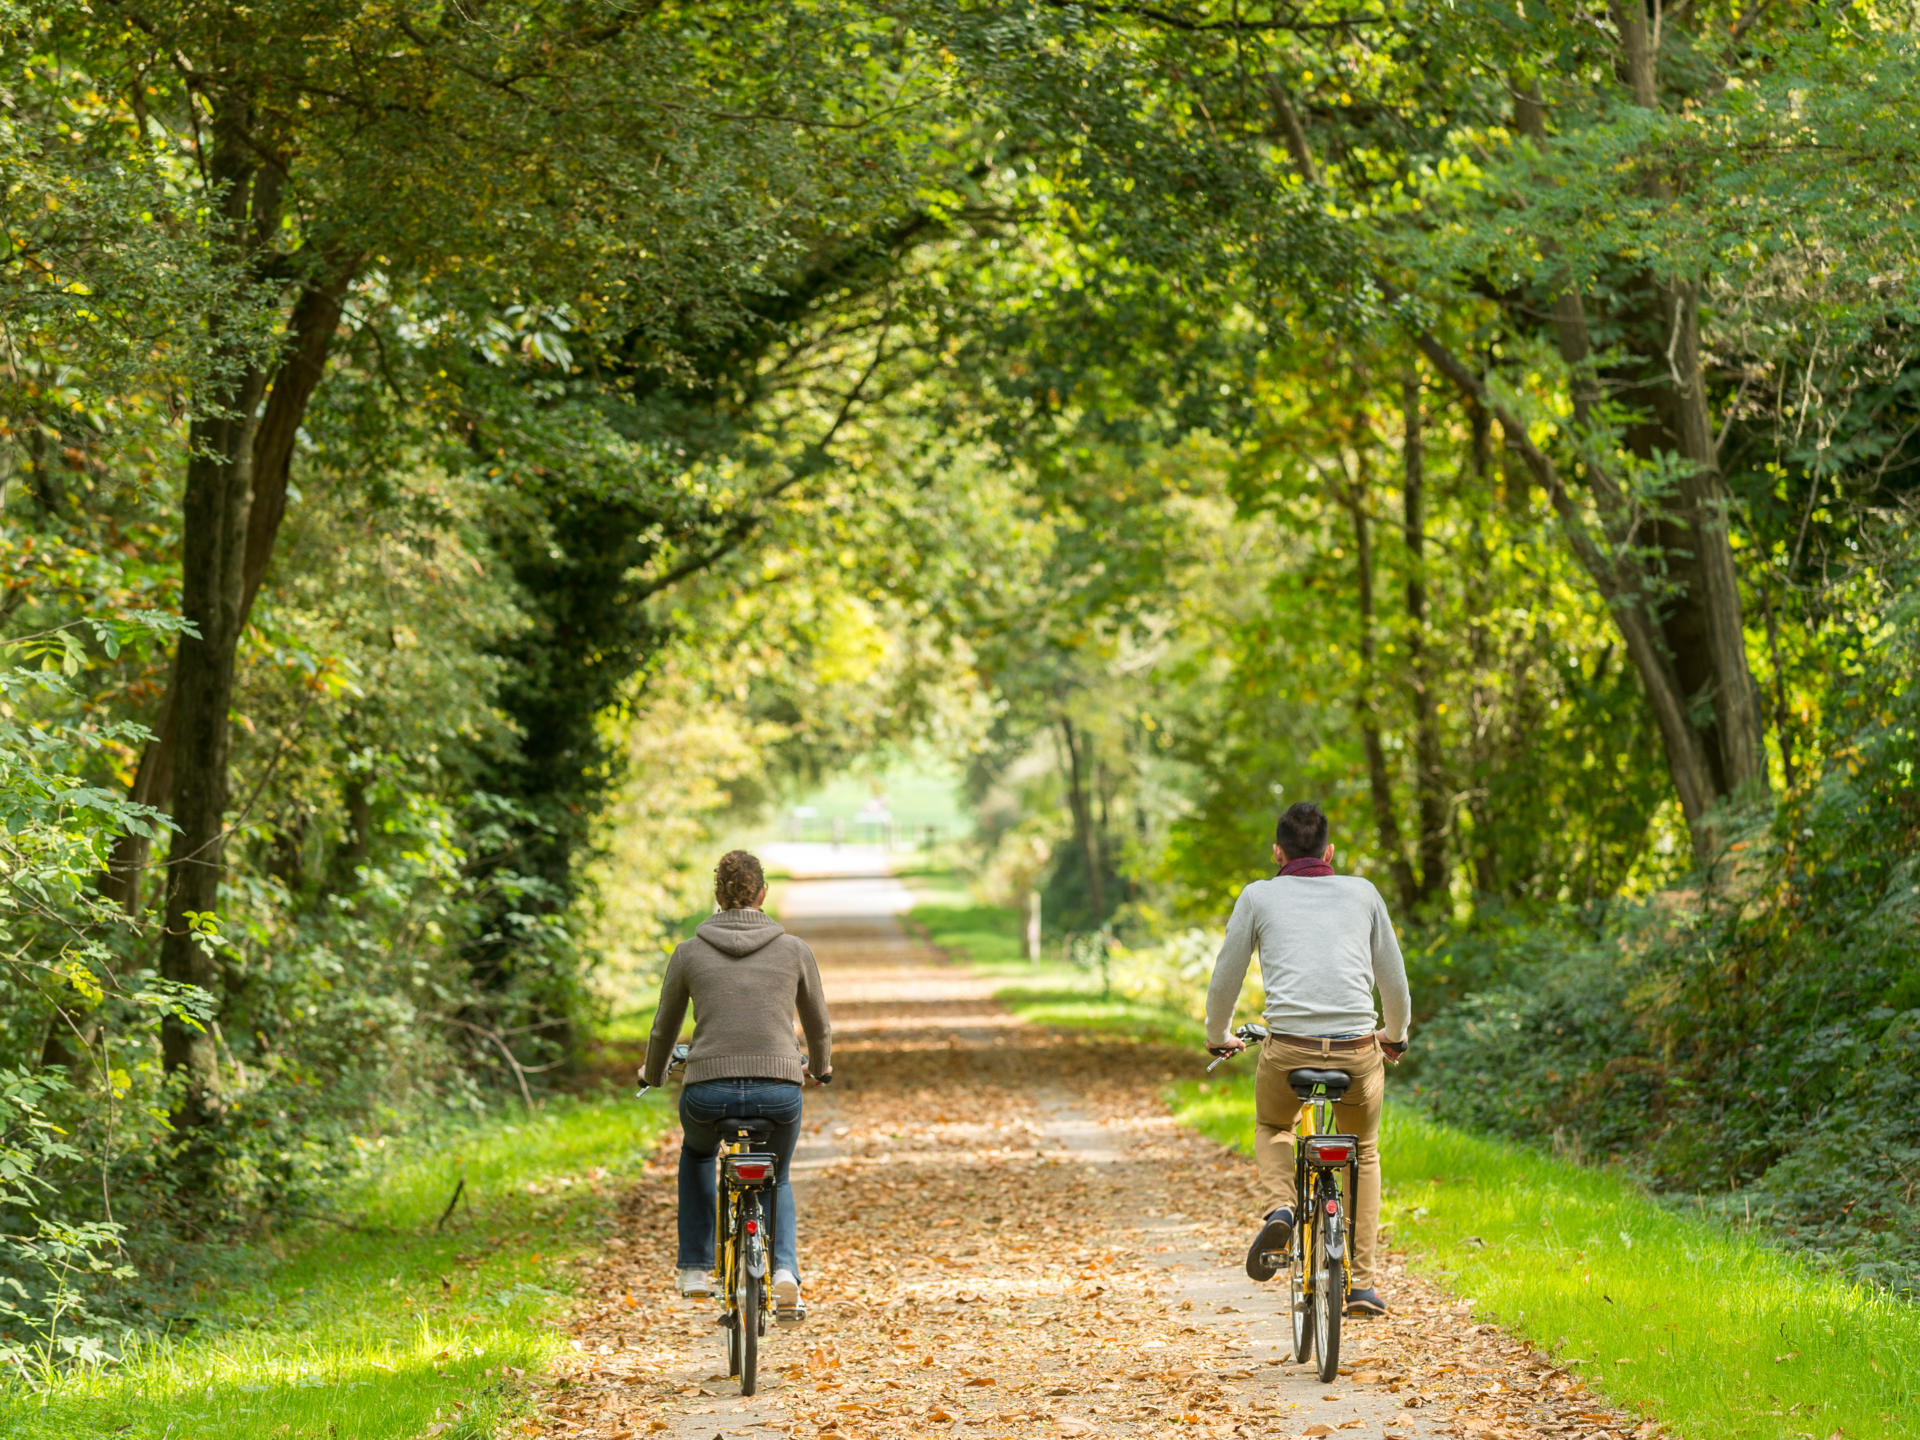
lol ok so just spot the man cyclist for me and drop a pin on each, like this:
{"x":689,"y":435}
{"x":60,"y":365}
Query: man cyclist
{"x":745,"y":977}
{"x":1325,"y":942}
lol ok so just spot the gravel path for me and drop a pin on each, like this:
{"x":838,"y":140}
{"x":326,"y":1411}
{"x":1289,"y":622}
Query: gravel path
{"x":1005,"y":1235}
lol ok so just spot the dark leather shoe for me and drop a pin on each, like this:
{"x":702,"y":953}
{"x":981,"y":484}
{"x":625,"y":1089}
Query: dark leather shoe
{"x":1365,"y":1302}
{"x":1271,"y":1245}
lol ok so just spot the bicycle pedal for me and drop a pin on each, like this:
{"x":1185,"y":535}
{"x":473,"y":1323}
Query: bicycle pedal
{"x":790,"y":1317}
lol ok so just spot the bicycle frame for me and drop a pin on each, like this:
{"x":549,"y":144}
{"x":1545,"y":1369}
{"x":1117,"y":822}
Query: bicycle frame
{"x":747,"y":1202}
{"x":1314,"y":1188}
{"x":744,"y":1224}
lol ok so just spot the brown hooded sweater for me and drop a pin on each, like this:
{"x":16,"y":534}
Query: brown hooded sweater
{"x":745,"y":976}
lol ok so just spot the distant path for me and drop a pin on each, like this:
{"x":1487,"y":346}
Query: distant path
{"x":1004,"y":1233}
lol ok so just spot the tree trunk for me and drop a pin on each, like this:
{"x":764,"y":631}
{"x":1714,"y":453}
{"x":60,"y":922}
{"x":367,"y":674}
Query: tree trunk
{"x":311,"y":329}
{"x":219,"y":482}
{"x":1481,"y":705}
{"x":216,"y":513}
{"x":1680,"y":403}
{"x":1083,"y":827}
{"x":1657,"y":630}
{"x":1378,"y":780}
{"x":1430,"y":780}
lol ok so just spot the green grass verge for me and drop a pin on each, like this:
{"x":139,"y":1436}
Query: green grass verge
{"x":380,"y":1332}
{"x":1707,"y":1329}
{"x":988,"y":938}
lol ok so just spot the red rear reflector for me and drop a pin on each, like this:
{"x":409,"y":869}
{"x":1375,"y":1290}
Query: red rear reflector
{"x":1332,"y":1208}
{"x":751,"y":1172}
{"x":753,"y":1227}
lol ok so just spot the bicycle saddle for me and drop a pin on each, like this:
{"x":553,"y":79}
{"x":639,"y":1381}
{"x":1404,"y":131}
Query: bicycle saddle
{"x":1304,"y":1082}
{"x":756,"y":1128}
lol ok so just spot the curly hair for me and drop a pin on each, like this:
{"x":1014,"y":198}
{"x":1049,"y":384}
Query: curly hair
{"x":1302,"y":830}
{"x":738,"y":880}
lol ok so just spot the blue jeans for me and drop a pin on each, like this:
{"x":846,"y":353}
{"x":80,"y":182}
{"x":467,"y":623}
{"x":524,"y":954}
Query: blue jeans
{"x":702,"y":1107}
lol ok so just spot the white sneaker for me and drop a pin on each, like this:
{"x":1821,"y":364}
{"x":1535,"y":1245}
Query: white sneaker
{"x":786,"y":1290}
{"x":696,"y":1284}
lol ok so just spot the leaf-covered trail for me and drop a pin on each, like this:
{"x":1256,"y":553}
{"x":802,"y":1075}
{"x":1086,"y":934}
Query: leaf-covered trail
{"x":1003,"y":1233}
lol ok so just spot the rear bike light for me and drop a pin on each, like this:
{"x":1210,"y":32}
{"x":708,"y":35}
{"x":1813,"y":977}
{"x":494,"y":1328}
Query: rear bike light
{"x":751,"y":1169}
{"x":1330,"y":1149}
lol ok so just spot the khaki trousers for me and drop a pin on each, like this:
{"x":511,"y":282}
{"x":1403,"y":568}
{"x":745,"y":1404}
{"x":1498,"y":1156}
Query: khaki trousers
{"x":1274,"y":1108}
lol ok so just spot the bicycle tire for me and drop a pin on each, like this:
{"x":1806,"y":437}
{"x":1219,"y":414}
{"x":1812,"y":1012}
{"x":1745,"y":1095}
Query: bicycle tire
{"x":1302,"y":1297}
{"x":748,"y":1320}
{"x":729,"y":1278}
{"x":1329,"y":1302}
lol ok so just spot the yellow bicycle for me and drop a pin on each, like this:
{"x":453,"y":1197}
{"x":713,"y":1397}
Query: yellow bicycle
{"x":1318,"y":1264}
{"x":745,"y":1231}
{"x":747,"y":1198}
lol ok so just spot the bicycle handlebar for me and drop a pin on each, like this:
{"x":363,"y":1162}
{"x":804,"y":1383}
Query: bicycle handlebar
{"x":678,"y":1061}
{"x":1251,"y":1033}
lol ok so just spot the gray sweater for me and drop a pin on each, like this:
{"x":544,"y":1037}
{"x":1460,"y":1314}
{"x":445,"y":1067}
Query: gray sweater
{"x":1325,"y":942}
{"x":745,"y":977}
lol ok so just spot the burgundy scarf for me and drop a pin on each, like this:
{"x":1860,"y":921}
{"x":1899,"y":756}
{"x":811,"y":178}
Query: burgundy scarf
{"x":1311,"y":866}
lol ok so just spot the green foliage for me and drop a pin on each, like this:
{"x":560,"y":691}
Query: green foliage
{"x":57,"y":969}
{"x":1759,"y":1040}
{"x":394,"y":1324}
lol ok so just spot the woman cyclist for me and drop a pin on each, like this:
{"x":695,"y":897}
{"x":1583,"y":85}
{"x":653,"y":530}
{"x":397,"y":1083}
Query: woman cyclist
{"x":745,"y":977}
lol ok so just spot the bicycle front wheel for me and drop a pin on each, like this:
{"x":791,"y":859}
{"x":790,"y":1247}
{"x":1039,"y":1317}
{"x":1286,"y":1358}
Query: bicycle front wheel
{"x":1329,"y":1296}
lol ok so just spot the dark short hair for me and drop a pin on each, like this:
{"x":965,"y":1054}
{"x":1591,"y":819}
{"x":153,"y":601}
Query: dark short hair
{"x":1302,"y":830}
{"x":738,"y":880}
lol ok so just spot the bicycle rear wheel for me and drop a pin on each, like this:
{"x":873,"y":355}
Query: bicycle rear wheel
{"x":1297,"y":1284}
{"x":729,"y":1277}
{"x":1329,"y":1297}
{"x":747,"y":1318}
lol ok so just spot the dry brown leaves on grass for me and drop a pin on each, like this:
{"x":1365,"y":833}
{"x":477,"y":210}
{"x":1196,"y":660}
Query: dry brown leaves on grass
{"x":1006,"y":1235}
